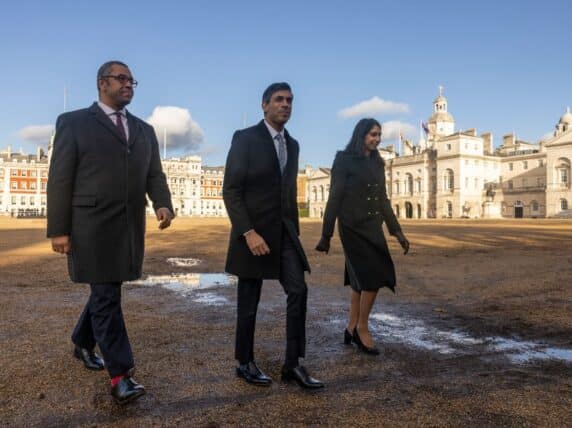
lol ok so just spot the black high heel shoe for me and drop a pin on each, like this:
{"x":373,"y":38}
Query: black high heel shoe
{"x":347,"y":337}
{"x":361,"y":346}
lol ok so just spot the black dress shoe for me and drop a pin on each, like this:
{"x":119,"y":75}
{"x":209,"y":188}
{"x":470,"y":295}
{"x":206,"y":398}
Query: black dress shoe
{"x":90,"y":359}
{"x":127,"y":390}
{"x":347,"y":337}
{"x":361,"y":346}
{"x":252,"y":374}
{"x":301,"y":376}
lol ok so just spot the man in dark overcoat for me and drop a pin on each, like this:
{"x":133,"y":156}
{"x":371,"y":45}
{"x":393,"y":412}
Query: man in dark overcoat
{"x":103,"y":164}
{"x":259,"y":192}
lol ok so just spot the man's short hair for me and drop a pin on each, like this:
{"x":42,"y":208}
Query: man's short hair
{"x":275,"y":87}
{"x":106,"y":68}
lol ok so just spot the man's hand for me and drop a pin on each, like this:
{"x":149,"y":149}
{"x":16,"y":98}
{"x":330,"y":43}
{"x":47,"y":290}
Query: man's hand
{"x":61,"y":244}
{"x":323,"y":245}
{"x":256,"y":243}
{"x":402,"y":241}
{"x":164,"y":217}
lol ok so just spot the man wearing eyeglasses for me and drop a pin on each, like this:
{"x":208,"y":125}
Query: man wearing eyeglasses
{"x":103,"y":164}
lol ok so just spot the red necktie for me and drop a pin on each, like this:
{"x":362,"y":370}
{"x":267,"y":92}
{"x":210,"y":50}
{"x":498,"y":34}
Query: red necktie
{"x":119,"y":124}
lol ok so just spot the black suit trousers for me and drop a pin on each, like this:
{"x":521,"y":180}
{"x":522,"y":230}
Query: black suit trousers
{"x":102,"y":323}
{"x":292,"y":280}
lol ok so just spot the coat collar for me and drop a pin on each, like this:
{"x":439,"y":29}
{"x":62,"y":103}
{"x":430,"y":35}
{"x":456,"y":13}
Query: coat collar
{"x":105,"y":121}
{"x":269,"y":143}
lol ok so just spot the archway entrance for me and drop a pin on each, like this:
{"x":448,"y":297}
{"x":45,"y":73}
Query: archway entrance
{"x":518,"y":209}
{"x":408,"y":210}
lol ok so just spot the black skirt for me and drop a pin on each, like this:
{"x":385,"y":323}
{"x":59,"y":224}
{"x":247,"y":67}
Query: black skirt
{"x":368,"y":263}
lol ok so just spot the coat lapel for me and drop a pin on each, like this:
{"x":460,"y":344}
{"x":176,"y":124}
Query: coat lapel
{"x":133,"y":128}
{"x":269,"y":144}
{"x":106,"y":122}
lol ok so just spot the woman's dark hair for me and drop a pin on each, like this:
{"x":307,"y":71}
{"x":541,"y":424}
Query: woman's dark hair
{"x":356,"y":145}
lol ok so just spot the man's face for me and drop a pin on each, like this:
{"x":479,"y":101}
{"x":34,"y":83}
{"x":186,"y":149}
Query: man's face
{"x":116,"y":90}
{"x":372,"y":138}
{"x":278,"y":110}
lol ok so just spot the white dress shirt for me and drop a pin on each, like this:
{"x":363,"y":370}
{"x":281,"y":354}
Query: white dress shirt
{"x":111,"y":114}
{"x":274,"y":133}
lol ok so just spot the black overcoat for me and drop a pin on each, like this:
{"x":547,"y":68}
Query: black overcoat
{"x":96,"y":193}
{"x":257,"y":196}
{"x":358,"y":199}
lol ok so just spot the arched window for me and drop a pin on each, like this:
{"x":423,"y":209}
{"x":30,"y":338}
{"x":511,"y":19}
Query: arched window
{"x":418,"y":185}
{"x":563,"y":172}
{"x":448,"y":180}
{"x":408,"y":184}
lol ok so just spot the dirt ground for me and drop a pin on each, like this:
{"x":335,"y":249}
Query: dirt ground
{"x":478,"y":334}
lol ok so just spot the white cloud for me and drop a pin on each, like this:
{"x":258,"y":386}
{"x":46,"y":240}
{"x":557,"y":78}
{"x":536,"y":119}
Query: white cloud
{"x":392,"y":128}
{"x":36,"y":133}
{"x":373,"y":107}
{"x":182,"y":131}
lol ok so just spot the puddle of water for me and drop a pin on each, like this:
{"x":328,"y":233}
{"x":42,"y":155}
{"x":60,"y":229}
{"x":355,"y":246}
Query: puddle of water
{"x":185,"y":283}
{"x":211,"y":299}
{"x":183,"y":262}
{"x":416,"y":333}
{"x":525,"y":352}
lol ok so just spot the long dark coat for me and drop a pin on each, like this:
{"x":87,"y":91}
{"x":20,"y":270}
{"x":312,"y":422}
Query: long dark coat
{"x":257,"y":196}
{"x":358,"y":199}
{"x":96,"y":193}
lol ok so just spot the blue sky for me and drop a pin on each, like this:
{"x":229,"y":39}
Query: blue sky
{"x":504,"y":65}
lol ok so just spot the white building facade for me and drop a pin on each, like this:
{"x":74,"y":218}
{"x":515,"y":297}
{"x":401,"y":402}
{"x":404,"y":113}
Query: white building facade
{"x":458,"y":174}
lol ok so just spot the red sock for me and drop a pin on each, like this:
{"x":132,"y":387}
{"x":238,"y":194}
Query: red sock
{"x":115,"y":380}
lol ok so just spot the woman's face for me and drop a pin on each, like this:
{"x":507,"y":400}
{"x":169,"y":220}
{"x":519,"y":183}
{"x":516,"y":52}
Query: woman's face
{"x":372,"y":139}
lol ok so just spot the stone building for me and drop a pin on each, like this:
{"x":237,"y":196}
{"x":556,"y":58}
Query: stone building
{"x":212,"y":204}
{"x":458,"y":173}
{"x":23,"y":181}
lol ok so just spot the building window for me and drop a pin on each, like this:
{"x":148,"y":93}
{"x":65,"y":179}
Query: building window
{"x":448,"y":180}
{"x":23,"y":185}
{"x":534,"y":205}
{"x":43,"y":185}
{"x":563,"y":176}
{"x":540,"y":182}
{"x":510,"y":166}
{"x":14,"y":185}
{"x":24,"y":173}
{"x":525,"y":164}
{"x":524,"y":182}
{"x":448,"y":147}
{"x":476,"y":183}
{"x":33,"y":173}
{"x":14,"y":173}
{"x":397,"y":187}
{"x":540,"y":163}
{"x":32,"y":200}
{"x":13,"y":200}
{"x":466,"y":182}
{"x":563,"y":204}
{"x":409,"y":184}
{"x":510,"y":185}
{"x":23,"y":200}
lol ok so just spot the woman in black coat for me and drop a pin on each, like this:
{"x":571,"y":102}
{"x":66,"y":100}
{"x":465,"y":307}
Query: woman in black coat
{"x":358,"y":199}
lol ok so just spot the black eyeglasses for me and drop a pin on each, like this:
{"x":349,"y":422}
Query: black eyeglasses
{"x":123,"y":79}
